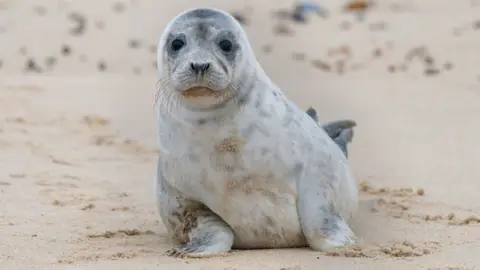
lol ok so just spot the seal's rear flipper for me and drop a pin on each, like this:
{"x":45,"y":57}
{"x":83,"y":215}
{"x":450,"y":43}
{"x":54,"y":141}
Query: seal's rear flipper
{"x":341,"y":131}
{"x":312,"y":113}
{"x":343,"y":139}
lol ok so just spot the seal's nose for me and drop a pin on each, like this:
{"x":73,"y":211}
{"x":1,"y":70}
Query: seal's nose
{"x":199,"y":67}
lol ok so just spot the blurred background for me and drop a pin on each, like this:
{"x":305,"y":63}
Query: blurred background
{"x":77,"y":130}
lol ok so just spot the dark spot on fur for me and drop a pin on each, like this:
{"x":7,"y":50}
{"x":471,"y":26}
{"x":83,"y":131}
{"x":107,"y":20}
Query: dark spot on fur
{"x":203,"y":13}
{"x":270,"y":221}
{"x":242,"y":101}
{"x":193,"y":157}
{"x":297,"y":169}
{"x":201,"y":121}
{"x":265,"y":151}
{"x":202,"y":30}
{"x":331,"y":220}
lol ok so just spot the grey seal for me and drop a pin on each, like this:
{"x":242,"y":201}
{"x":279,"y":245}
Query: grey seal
{"x":240,"y":165}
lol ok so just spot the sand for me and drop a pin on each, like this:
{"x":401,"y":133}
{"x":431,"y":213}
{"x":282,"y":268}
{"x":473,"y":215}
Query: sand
{"x":77,"y":132}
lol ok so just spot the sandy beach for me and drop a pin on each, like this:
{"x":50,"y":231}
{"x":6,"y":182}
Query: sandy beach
{"x":77,"y":129}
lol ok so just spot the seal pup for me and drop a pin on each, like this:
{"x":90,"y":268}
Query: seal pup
{"x":241,"y":166}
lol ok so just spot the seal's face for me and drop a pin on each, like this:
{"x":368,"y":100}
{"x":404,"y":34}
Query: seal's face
{"x":198,"y":54}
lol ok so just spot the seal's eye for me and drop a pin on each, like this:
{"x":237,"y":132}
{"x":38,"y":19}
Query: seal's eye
{"x":177,"y":44}
{"x":225,"y":45}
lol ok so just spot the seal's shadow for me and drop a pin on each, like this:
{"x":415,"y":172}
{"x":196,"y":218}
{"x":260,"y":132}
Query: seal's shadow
{"x":371,"y":227}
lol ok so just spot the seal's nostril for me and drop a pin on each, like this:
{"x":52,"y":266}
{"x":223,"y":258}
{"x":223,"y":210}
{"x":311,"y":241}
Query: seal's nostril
{"x":206,"y":67}
{"x":197,"y":68}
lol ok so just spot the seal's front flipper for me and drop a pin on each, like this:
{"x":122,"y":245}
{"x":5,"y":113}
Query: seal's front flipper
{"x":330,"y":233}
{"x":200,"y":231}
{"x":209,"y":236}
{"x":322,"y":224}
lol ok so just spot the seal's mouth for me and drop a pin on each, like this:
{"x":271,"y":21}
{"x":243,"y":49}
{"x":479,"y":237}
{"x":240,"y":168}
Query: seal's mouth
{"x":196,"y":92}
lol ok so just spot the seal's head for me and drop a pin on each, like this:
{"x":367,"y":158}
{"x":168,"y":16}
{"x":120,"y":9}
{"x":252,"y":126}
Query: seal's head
{"x":202,"y":58}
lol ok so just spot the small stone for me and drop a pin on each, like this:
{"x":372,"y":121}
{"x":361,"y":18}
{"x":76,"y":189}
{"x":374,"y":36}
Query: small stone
{"x":88,"y":207}
{"x":40,"y":10}
{"x":102,"y":66}
{"x":298,"y":15}
{"x":420,"y":192}
{"x":66,"y":50}
{"x":50,"y":61}
{"x":476,"y":24}
{"x":448,"y":66}
{"x":80,"y":24}
{"x":298,"y":56}
{"x":391,"y":69}
{"x":23,"y":50}
{"x":431,"y":71}
{"x":134,"y":44}
{"x":429,"y":60}
{"x":31,"y":65}
{"x":377,"y":52}
{"x":282,"y":29}
{"x":322,"y":65}
{"x":118,"y":7}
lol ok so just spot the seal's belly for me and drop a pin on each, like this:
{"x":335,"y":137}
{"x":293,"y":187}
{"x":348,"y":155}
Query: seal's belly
{"x":263,"y":219}
{"x":259,"y":205}
{"x":255,"y":198}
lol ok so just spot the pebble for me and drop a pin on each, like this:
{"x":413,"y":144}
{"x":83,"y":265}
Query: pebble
{"x":102,"y":66}
{"x":119,"y":7}
{"x":50,"y":61}
{"x":31,"y":65}
{"x":80,"y":26}
{"x":66,"y":50}
{"x":134,"y":44}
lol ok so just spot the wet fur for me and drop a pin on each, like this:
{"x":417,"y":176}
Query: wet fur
{"x":247,"y":169}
